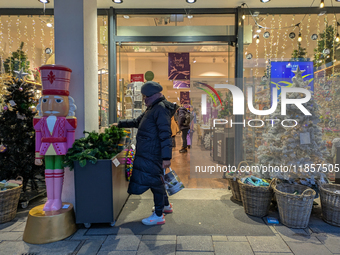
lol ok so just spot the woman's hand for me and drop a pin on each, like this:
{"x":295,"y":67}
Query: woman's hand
{"x":166,"y":164}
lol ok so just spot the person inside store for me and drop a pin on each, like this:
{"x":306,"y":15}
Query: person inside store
{"x":153,"y":150}
{"x":174,"y":128}
{"x":184,"y":126}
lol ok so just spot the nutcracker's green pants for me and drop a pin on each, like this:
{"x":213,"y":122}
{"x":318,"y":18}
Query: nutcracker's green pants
{"x":54,"y":162}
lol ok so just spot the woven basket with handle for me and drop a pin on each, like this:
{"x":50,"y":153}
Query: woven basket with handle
{"x":9,"y":200}
{"x":294,"y":210}
{"x":233,"y":184}
{"x":330,"y":203}
{"x":256,"y":200}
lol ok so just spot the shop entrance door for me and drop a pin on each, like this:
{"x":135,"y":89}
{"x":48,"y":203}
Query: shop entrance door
{"x":207,"y":66}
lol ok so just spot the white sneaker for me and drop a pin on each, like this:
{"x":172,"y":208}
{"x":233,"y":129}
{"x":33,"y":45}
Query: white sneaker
{"x":154,"y":220}
{"x":166,"y":209}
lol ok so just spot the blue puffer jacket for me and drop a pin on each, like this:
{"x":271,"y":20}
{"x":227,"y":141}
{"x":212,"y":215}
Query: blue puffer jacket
{"x":153,"y":145}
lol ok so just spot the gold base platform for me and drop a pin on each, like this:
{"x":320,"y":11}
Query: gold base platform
{"x":47,"y":227}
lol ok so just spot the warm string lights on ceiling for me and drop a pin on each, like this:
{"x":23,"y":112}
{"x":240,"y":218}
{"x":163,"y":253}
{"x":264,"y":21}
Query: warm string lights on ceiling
{"x":299,"y":38}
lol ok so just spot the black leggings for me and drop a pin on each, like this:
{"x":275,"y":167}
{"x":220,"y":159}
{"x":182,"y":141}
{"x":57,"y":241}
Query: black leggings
{"x":184,"y":137}
{"x":160,"y":199}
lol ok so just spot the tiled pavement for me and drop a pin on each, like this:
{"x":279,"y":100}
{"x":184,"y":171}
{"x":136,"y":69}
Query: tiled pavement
{"x":283,"y":241}
{"x":319,"y":239}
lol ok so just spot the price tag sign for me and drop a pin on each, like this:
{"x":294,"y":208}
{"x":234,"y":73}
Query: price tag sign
{"x":66,"y":206}
{"x":133,"y":146}
{"x":116,"y":162}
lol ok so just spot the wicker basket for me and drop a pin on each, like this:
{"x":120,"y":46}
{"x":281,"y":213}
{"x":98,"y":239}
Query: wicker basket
{"x":233,"y":184}
{"x":9,"y":200}
{"x":330,"y":203}
{"x":235,"y":189}
{"x":294,"y":210}
{"x":256,"y":200}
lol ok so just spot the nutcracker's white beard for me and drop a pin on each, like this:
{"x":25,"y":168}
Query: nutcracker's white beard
{"x":71,"y":111}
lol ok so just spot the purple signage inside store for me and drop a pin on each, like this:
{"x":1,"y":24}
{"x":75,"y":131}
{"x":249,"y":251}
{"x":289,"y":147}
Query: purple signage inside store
{"x":181,"y":84}
{"x":179,"y":66}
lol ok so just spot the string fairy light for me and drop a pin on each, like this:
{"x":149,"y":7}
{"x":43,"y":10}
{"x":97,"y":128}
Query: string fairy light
{"x":278,"y":37}
{"x":19,"y":37}
{"x":105,"y":46}
{"x":307,"y":36}
{"x":272,"y":38}
{"x":52,"y":36}
{"x":9,"y":38}
{"x":293,"y":43}
{"x":265,"y":43}
{"x":42,"y":43}
{"x":1,"y":37}
{"x":285,"y":38}
{"x":26,"y":36}
{"x":34,"y":36}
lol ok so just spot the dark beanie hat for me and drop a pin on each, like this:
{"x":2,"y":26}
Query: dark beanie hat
{"x":150,"y":88}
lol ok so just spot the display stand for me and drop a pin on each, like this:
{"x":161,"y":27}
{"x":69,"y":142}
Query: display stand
{"x":47,"y":227}
{"x":135,"y":106}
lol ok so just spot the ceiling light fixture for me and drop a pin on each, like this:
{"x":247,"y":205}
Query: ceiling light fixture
{"x":257,"y":39}
{"x":117,"y":1}
{"x":264,"y":1}
{"x":322,"y":4}
{"x":300,"y":37}
{"x":258,"y":31}
{"x":190,"y":16}
{"x":191,"y":1}
{"x":44,"y":1}
{"x":194,"y":60}
{"x":49,"y":24}
{"x":126,"y":16}
{"x":243,"y":14}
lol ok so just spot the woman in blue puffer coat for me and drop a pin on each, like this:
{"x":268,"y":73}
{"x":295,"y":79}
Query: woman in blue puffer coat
{"x":153,"y":149}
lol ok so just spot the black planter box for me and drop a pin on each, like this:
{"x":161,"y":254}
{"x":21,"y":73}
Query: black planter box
{"x":100,"y":190}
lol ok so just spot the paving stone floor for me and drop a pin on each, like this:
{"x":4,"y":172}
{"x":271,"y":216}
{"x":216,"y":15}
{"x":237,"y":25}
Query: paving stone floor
{"x":319,"y":239}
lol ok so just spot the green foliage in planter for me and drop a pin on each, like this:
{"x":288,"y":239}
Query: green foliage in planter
{"x":95,"y":146}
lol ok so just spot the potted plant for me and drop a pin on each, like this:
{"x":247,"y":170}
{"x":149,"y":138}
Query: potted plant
{"x":99,"y":176}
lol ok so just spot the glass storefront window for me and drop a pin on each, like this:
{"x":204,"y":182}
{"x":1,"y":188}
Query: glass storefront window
{"x":103,"y":72}
{"x":275,"y":45}
{"x":36,"y":35}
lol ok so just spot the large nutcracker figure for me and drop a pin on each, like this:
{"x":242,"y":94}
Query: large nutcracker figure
{"x":55,"y":127}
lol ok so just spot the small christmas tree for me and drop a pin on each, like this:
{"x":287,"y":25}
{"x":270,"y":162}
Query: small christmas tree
{"x":326,"y":42}
{"x":296,"y":147}
{"x":17,"y":61}
{"x":299,"y":54}
{"x":17,"y":133}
